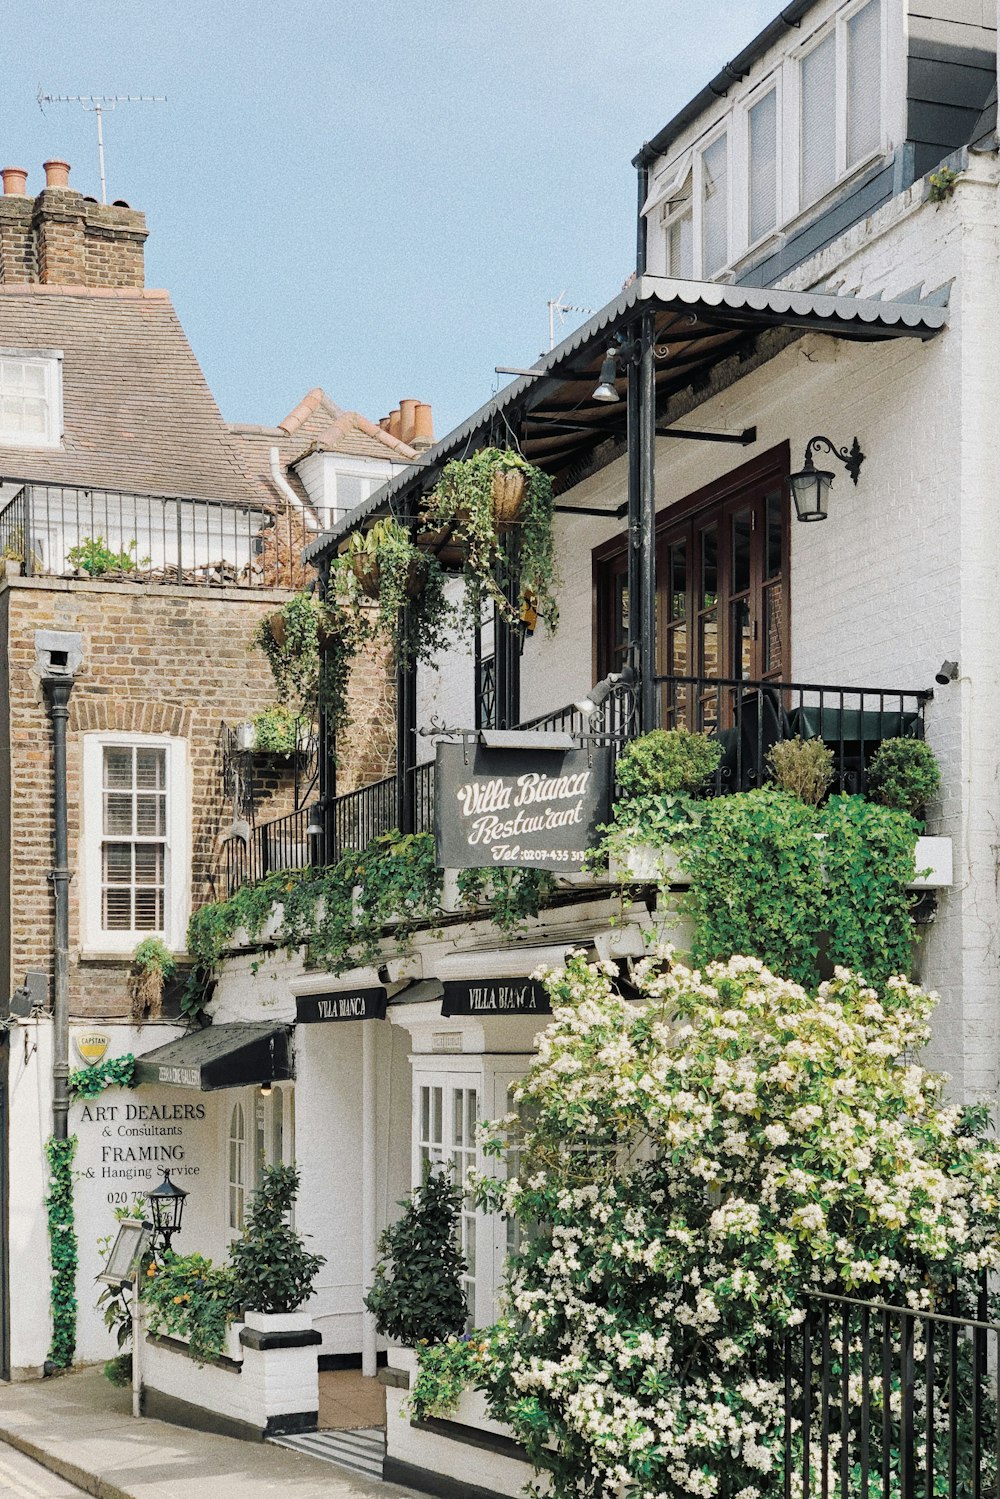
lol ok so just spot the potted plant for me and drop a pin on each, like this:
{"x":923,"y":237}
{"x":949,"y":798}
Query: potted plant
{"x":274,"y":731}
{"x":273,"y":1271}
{"x":500,"y":508}
{"x":305,"y":641}
{"x":904,"y":774}
{"x":659,"y":775}
{"x":153,"y":965}
{"x":381,"y":573}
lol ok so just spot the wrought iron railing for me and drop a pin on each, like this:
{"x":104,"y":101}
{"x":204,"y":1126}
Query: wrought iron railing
{"x":891,"y":1401}
{"x":60,"y":530}
{"x":748,"y":718}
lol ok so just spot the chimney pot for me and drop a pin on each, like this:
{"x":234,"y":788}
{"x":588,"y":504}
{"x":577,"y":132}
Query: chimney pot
{"x":15,"y":180}
{"x":394,"y":424}
{"x":56,"y":173}
{"x":423,"y":428}
{"x":383,"y":422}
{"x":407,"y":414}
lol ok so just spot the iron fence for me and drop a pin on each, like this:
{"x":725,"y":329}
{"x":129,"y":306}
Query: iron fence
{"x":750,"y":718}
{"x":65,"y":531}
{"x":891,"y":1401}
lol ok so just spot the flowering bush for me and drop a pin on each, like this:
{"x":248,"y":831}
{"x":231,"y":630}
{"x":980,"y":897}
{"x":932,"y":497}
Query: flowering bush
{"x":694,"y":1165}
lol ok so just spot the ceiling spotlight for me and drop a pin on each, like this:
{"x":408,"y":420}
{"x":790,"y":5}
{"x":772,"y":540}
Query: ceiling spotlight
{"x":948,"y":673}
{"x":609,"y":373}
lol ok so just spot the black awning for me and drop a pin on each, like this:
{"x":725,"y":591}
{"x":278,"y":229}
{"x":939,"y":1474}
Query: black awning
{"x":221,"y":1056}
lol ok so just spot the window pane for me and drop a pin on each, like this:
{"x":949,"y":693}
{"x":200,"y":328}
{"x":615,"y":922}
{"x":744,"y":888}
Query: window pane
{"x":709,"y":567}
{"x":118,"y":768}
{"x":678,"y":581}
{"x":763,"y":166}
{"x":864,"y":82}
{"x":741,"y":552}
{"x":774,"y":612}
{"x":150,"y":769}
{"x":775,"y":535}
{"x":741,"y":638}
{"x":151,"y":816}
{"x":118,"y":863}
{"x":819,"y":137}
{"x":117,"y":813}
{"x":680,"y":247}
{"x":715,"y":207}
{"x":117,"y":909}
{"x":24,"y":410}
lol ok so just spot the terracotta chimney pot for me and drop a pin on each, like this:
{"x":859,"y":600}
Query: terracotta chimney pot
{"x":394,"y":423}
{"x":56,"y":173}
{"x":407,"y":415}
{"x":423,"y":429}
{"x":383,"y":422}
{"x":15,"y":181}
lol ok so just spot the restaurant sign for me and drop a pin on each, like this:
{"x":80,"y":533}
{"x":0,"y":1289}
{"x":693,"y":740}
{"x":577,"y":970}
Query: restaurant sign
{"x":494,"y":997}
{"x":342,"y":1004}
{"x":519,"y":808}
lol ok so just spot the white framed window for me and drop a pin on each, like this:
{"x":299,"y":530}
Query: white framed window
{"x":136,"y":864}
{"x":715,"y":206}
{"x":762,"y":165}
{"x":260,"y":1132}
{"x":863,"y":69}
{"x":31,"y":398}
{"x":818,"y":120}
{"x":678,"y":222}
{"x":842,"y":98}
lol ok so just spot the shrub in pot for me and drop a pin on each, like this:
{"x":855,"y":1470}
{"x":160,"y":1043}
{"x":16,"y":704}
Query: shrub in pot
{"x":667,"y":761}
{"x":804,"y":767}
{"x":152,"y":965}
{"x":418,"y":1296}
{"x":273,"y":1272}
{"x":904,"y":775}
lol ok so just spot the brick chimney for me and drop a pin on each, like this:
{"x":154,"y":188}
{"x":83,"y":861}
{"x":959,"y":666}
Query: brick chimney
{"x":61,"y":238}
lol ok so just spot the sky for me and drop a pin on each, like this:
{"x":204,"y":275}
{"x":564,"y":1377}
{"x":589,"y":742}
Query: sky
{"x":372,"y":196}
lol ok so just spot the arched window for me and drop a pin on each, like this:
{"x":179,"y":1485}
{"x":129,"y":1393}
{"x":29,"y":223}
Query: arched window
{"x":237,"y":1167}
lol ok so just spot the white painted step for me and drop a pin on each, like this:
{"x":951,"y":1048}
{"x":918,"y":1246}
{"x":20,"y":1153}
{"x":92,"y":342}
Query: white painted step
{"x":361,"y":1451}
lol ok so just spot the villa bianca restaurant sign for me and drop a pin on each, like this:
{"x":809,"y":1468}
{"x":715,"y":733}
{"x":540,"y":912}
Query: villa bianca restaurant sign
{"x":519,"y":807}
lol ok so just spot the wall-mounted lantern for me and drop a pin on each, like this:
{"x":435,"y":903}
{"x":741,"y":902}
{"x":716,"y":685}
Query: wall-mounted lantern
{"x":166,"y":1209}
{"x":811,"y":486}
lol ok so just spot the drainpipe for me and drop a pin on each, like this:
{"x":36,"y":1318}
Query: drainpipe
{"x":58,"y":656}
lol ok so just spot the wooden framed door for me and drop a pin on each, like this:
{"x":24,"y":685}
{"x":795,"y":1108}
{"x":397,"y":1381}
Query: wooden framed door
{"x":722,"y":594}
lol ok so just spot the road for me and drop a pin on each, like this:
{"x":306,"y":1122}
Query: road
{"x":20,"y":1478}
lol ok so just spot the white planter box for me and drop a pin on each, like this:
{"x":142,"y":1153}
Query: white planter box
{"x":652,"y":863}
{"x":935,"y":856}
{"x":452,"y":1456}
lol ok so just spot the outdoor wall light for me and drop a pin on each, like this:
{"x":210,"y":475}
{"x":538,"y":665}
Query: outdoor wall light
{"x":948,"y":673}
{"x":811,"y":486}
{"x":315,"y":828}
{"x":602,"y":690}
{"x":166,"y":1209}
{"x":609,"y":373}
{"x":265,"y":1090}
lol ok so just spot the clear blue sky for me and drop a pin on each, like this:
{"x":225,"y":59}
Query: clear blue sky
{"x":372,"y":196}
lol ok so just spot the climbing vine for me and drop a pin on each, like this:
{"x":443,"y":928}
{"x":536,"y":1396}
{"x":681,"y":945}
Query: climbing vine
{"x":115,"y":1072}
{"x":62,"y":1250}
{"x":512,"y":895}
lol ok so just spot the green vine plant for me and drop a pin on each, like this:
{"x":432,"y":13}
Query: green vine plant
{"x":62,"y":1250}
{"x":380,"y":574}
{"x":113,"y":1072}
{"x":476,"y":497}
{"x":94,"y":557}
{"x":512,"y":895}
{"x":277,"y":730}
{"x":153,"y":965}
{"x":310,"y":647}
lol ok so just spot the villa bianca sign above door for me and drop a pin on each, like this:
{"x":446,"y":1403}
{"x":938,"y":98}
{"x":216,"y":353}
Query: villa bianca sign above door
{"x":536,"y":807}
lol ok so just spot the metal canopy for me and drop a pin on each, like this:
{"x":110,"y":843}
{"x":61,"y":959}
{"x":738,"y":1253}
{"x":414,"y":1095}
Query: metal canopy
{"x":698,"y":325}
{"x":221,"y":1056}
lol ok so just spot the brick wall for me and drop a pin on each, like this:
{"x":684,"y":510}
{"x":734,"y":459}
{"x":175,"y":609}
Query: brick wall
{"x":61,"y":238}
{"x":168,"y":660}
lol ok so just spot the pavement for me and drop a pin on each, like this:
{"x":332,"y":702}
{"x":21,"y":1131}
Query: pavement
{"x":20,"y":1478}
{"x":80,"y":1428}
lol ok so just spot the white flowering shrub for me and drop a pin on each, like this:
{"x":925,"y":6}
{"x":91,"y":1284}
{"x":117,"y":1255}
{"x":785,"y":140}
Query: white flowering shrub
{"x":694,"y":1165}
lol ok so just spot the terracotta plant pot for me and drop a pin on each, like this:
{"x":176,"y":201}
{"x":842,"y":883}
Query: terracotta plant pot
{"x":507,"y":496}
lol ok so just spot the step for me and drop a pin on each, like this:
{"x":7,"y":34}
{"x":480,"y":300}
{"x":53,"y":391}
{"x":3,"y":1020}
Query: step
{"x":361,"y":1451}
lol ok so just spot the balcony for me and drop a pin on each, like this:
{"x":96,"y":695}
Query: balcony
{"x":749,"y":718}
{"x":60,"y":531}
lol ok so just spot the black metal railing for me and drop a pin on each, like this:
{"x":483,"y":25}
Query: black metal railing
{"x":60,"y":530}
{"x":749,"y":718}
{"x":891,"y":1401}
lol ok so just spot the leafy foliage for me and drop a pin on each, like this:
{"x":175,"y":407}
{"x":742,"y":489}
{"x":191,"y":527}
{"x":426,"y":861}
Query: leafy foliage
{"x":188,"y":1297}
{"x":382,"y":573}
{"x":464,"y":499}
{"x":804,"y":767}
{"x":701,"y":1161}
{"x":904,"y":774}
{"x":152,"y":955}
{"x":310,"y":646}
{"x":667,"y":761}
{"x":446,"y":1370}
{"x":513,"y":895}
{"x":113,"y":1072}
{"x":418,"y":1295}
{"x":868,"y":859}
{"x":62,"y":1250}
{"x":273,"y":1271}
{"x":95,"y":557}
{"x":276,"y":730}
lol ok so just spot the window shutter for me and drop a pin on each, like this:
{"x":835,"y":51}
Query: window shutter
{"x":818,"y":170}
{"x":763,"y":165}
{"x":715,"y":207}
{"x":864,"y":82}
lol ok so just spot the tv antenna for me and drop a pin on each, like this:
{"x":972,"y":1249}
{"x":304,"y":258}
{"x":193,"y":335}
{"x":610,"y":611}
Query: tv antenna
{"x":559,"y":308}
{"x":96,"y":104}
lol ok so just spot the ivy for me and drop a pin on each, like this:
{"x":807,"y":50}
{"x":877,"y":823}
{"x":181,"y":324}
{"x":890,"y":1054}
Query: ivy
{"x":513,"y":895}
{"x":188,"y":1297}
{"x":115,"y":1072}
{"x":310,"y":647}
{"x":868,"y":856}
{"x":62,"y":1250}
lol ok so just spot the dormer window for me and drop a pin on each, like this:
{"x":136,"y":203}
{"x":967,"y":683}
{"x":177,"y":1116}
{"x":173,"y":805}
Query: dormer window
{"x":864,"y":82}
{"x":715,"y":206}
{"x":677,"y":218}
{"x":840,"y":89}
{"x":762,"y":127}
{"x":30,"y":398}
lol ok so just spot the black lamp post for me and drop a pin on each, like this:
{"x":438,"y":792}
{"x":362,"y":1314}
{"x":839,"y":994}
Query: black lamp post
{"x":811,"y":486}
{"x":166,"y":1208}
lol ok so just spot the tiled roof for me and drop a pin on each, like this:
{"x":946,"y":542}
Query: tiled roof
{"x":354,"y":433}
{"x":137,"y":411}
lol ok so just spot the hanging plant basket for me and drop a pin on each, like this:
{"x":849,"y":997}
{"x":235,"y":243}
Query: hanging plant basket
{"x":277,"y":627}
{"x":365,"y":567}
{"x":507,"y":496}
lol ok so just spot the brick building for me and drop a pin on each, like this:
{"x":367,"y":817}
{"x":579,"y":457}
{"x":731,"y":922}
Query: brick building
{"x":148,"y":538}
